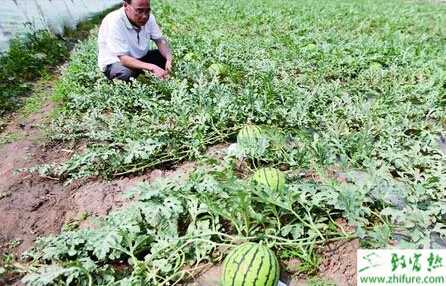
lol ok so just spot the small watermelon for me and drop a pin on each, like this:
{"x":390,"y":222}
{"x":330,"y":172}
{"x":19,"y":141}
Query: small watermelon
{"x":189,"y":57}
{"x":270,"y":177}
{"x":311,"y":47}
{"x":250,"y":264}
{"x":249,"y":136}
{"x":375,"y":66}
{"x":217,"y":69}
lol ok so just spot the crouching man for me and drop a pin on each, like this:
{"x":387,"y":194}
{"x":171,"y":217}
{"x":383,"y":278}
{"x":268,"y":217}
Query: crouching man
{"x":124,"y":39}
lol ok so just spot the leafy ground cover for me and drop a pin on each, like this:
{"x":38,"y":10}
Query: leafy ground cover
{"x":358,"y":87}
{"x":28,"y":58}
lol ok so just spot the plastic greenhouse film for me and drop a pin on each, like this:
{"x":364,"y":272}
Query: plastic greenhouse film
{"x":20,"y":16}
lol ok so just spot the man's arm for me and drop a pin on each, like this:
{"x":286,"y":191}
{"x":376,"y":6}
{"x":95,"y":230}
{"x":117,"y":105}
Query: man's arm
{"x":164,"y":48}
{"x":133,"y":63}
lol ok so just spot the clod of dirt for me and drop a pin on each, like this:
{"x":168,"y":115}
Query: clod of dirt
{"x":210,"y":277}
{"x":339,"y":262}
{"x":291,"y":266}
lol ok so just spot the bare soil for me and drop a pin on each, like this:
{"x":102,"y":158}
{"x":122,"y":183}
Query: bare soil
{"x":339,"y":262}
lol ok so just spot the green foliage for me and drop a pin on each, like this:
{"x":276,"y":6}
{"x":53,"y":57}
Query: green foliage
{"x":10,"y":268}
{"x":173,"y":227}
{"x":318,"y":81}
{"x":146,"y":235}
{"x":177,"y":225}
{"x":29,"y":56}
{"x":8,"y":137}
{"x":309,"y":259}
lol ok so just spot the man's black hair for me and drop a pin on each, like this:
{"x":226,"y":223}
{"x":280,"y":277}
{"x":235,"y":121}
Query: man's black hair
{"x":128,"y":1}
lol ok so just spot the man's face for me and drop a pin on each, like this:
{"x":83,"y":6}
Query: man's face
{"x":138,"y":11}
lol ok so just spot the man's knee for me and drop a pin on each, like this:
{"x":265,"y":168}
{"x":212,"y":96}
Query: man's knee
{"x":120,"y":72}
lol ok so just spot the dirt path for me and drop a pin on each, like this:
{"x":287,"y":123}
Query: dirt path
{"x":23,"y":198}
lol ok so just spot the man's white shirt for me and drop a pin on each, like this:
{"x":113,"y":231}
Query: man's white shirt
{"x":117,"y":37}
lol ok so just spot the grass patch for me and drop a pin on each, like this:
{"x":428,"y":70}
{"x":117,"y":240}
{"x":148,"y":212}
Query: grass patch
{"x":9,"y":137}
{"x":29,"y":57}
{"x":42,"y":91}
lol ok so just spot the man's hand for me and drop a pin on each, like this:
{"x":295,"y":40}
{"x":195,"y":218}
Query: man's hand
{"x":163,"y":47}
{"x":157,"y":71}
{"x":169,"y":65}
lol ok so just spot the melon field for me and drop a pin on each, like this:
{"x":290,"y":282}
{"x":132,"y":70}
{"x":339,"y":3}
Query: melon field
{"x":302,"y":125}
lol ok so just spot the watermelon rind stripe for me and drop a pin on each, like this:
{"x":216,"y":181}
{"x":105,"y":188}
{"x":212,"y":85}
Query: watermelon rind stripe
{"x":276,"y":270}
{"x":231,"y":254}
{"x":258,"y":270}
{"x":250,"y":265}
{"x":229,"y":260}
{"x":277,"y":180}
{"x":229,"y":271}
{"x":249,"y":136}
{"x":269,"y":269}
{"x":225,"y":265}
{"x":265,"y":175}
{"x":259,"y":133}
{"x":240,"y":263}
{"x":255,"y":134}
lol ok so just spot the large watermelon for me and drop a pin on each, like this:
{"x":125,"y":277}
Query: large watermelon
{"x":250,"y":264}
{"x":270,"y":177}
{"x":249,"y":136}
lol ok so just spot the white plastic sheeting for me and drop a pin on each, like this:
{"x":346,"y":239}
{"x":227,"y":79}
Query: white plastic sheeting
{"x":18,"y":16}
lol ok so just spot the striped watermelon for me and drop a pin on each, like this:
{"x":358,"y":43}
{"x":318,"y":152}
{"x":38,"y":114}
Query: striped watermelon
{"x":249,"y":136}
{"x":250,"y":264}
{"x":217,"y":69}
{"x":270,"y":177}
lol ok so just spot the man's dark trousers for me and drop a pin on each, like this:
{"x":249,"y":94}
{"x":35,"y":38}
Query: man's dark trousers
{"x":117,"y":70}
